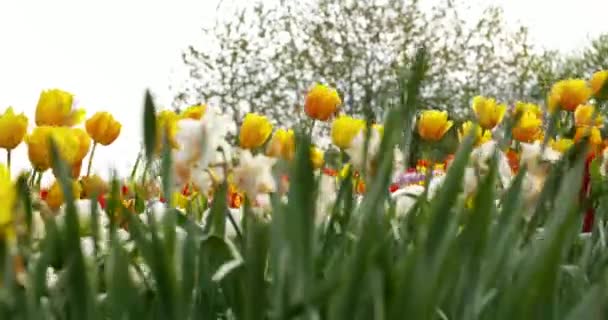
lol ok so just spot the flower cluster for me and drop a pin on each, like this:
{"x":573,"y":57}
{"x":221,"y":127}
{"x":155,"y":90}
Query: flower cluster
{"x":253,"y":167}
{"x":56,"y":119}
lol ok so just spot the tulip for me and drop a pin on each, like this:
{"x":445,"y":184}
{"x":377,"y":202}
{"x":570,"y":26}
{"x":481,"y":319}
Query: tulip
{"x":166,"y":126}
{"x":488,"y":112}
{"x":321,"y":102}
{"x":55,"y":198}
{"x":93,"y":185}
{"x":523,"y":107}
{"x":599,"y":84}
{"x":568,"y":94}
{"x":585,"y":115}
{"x":593,"y":133}
{"x":528,"y":128}
{"x":433,"y":125}
{"x":255,"y":130}
{"x":84,"y":144}
{"x":316,"y":157}
{"x":344,"y":129}
{"x":195,"y":112}
{"x":55,"y":108}
{"x":103,"y":129}
{"x":562,"y":145}
{"x":481,"y":136}
{"x":37,"y":142}
{"x":282,"y":145}
{"x":12,"y":131}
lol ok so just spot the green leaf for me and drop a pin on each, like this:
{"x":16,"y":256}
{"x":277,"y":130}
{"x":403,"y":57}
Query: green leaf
{"x":78,"y":289}
{"x":26,"y":200}
{"x":533,"y":290}
{"x":474,"y":242}
{"x":150,"y":130}
{"x":119,"y":285}
{"x":256,"y":252}
{"x":299,"y":225}
{"x":188,"y":271}
{"x":214,"y":297}
{"x":216,"y":219}
{"x":590,"y":305}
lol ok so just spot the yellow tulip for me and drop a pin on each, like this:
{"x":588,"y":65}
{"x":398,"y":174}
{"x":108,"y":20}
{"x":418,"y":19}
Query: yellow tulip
{"x":84,"y":144}
{"x":599,"y":84}
{"x":166,"y":125}
{"x":71,"y":147}
{"x":562,"y":145}
{"x":322,"y":102}
{"x":179,"y":200}
{"x":282,"y":144}
{"x":523,"y":107}
{"x":481,"y":136}
{"x":488,"y":112}
{"x":317,"y":157}
{"x":568,"y":94}
{"x":103,"y":128}
{"x":594,"y":134}
{"x":39,"y":148}
{"x":583,"y":116}
{"x":55,"y":109}
{"x":55,"y":199}
{"x":195,"y":112}
{"x":528,"y":128}
{"x":12,"y":129}
{"x":344,"y":129}
{"x":255,"y":130}
{"x":93,"y":185}
{"x":7,"y":201}
{"x":433,"y":124}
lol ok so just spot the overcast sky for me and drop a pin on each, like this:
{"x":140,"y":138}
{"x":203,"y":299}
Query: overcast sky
{"x":108,"y":52}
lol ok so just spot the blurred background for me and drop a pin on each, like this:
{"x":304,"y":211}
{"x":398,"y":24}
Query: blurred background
{"x":261,"y":56}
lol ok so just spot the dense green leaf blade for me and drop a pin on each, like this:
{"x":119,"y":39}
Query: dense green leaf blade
{"x":150,"y":129}
{"x":78,"y":289}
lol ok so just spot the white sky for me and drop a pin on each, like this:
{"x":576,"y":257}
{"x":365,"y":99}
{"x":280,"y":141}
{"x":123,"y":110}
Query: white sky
{"x":108,"y":52}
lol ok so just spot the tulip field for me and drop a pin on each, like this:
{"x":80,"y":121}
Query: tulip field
{"x":262,"y":221}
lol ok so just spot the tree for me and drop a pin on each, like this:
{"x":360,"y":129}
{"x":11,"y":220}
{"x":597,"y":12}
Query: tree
{"x":265,"y":58}
{"x":552,"y":66}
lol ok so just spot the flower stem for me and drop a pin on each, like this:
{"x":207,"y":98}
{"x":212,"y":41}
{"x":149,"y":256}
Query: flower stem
{"x":312,"y":126}
{"x":8,"y":160}
{"x":32,"y":177}
{"x":39,"y":179}
{"x":234,"y":225}
{"x":91,"y":158}
{"x":135,"y":166}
